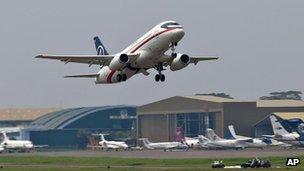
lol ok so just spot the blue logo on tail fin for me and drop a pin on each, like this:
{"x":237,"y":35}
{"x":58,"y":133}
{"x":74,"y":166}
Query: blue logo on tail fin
{"x":100,"y":49}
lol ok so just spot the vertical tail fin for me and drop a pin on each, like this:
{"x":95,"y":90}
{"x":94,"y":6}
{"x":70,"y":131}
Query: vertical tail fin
{"x":277,"y":127}
{"x":146,"y":143}
{"x":102,"y":138}
{"x":210,"y":134}
{"x":5,"y":137}
{"x":232,"y":133}
{"x":100,"y":49}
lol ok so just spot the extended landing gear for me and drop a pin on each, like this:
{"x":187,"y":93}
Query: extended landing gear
{"x":121,"y":77}
{"x":173,"y":45}
{"x":159,"y":77}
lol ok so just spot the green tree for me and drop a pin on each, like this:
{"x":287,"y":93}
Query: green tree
{"x":217,"y":95}
{"x":281,"y":95}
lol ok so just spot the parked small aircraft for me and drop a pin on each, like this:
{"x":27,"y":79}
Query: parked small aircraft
{"x":216,"y":142}
{"x":111,"y":144}
{"x":251,"y":142}
{"x":163,"y":145}
{"x":15,"y":145}
{"x":282,"y":135}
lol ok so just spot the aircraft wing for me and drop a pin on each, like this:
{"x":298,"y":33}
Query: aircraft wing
{"x":196,"y":59}
{"x":86,"y":59}
{"x":41,"y":146}
{"x":268,"y":136}
{"x":82,"y":76}
{"x":244,"y":139}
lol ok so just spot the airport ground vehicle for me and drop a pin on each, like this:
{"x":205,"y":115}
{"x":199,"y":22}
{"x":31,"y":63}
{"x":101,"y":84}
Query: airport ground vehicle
{"x":218,"y":164}
{"x":256,"y":163}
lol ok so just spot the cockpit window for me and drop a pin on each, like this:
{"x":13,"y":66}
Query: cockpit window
{"x":171,"y":25}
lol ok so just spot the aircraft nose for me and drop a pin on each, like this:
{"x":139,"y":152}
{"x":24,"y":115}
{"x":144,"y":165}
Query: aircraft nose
{"x":178,"y":34}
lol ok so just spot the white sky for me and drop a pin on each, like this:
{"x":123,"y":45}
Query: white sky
{"x":260,"y":44}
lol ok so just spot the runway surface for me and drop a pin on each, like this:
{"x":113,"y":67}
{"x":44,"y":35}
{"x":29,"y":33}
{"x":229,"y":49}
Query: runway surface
{"x":174,"y":154}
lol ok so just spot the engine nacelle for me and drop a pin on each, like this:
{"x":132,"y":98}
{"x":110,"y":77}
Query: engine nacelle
{"x":180,"y":62}
{"x":119,"y":61}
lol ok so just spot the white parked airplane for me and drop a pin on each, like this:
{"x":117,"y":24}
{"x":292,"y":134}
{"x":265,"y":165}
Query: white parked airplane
{"x":251,"y":142}
{"x":163,"y":145}
{"x":204,"y":142}
{"x":282,"y":135}
{"x":111,"y":144}
{"x":145,"y":53}
{"x":192,"y":142}
{"x":15,"y":145}
{"x":216,"y":141}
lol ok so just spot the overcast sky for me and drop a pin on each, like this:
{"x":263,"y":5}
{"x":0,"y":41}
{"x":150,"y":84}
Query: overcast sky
{"x":260,"y":44}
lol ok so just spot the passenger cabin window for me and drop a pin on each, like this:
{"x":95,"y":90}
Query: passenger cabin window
{"x":171,"y":25}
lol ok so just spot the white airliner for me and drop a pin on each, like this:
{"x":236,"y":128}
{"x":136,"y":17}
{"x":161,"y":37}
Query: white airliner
{"x":217,"y":142}
{"x":111,"y":144}
{"x":15,"y":145}
{"x":145,"y":53}
{"x":163,"y":145}
{"x":192,"y":142}
{"x":282,"y":135}
{"x":250,"y":142}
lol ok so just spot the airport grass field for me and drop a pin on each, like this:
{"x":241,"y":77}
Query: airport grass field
{"x":24,"y":163}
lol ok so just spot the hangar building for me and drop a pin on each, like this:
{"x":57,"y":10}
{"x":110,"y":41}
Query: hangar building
{"x":159,"y":120}
{"x":18,"y":117}
{"x":66,"y":128}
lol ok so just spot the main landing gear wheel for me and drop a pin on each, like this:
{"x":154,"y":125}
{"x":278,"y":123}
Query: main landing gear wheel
{"x":160,"y":77}
{"x":118,"y":77}
{"x":124,"y":77}
{"x":173,"y":55}
{"x":157,"y":77}
{"x":121,"y":77}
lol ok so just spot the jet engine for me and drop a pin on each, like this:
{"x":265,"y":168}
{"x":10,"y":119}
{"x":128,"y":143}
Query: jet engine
{"x":180,"y":62}
{"x":119,"y":61}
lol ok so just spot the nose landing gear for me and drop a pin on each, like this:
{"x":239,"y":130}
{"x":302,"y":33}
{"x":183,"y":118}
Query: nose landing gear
{"x":172,"y":46}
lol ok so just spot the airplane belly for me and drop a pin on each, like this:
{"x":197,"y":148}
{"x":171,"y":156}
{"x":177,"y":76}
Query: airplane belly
{"x":108,"y":76}
{"x":151,"y":52}
{"x":146,"y":60}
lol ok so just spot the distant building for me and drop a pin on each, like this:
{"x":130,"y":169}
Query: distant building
{"x":67,"y":127}
{"x":14,"y":117}
{"x":158,"y":120}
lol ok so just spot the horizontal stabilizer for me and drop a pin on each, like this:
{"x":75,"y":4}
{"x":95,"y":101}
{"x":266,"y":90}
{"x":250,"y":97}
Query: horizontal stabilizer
{"x":82,"y":76}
